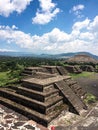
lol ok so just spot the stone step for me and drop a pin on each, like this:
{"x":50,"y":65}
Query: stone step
{"x":51,"y":69}
{"x":75,"y":87}
{"x":24,"y":74}
{"x":61,"y":70}
{"x":72,"y":98}
{"x":40,"y":84}
{"x":49,"y":88}
{"x":31,"y":103}
{"x":70,"y":82}
{"x":31,"y":114}
{"x":54,"y":106}
{"x":32,"y":86}
{"x":36,"y":72}
{"x":27,"y":69}
{"x":38,"y":87}
{"x":27,"y":72}
{"x":35,"y":69}
{"x":78,"y":69}
{"x":42,"y":75}
{"x":40,"y":96}
{"x":78,"y":90}
{"x":52,"y":96}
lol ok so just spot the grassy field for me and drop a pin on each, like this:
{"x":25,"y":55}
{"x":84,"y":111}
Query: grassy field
{"x":3,"y":78}
{"x":83,"y":74}
{"x":6,"y":78}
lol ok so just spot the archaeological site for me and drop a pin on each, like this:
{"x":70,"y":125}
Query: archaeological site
{"x":44,"y":93}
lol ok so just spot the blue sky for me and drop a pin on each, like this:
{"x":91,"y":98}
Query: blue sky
{"x":49,"y":26}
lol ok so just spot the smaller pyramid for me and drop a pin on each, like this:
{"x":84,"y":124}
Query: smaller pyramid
{"x":42,"y":96}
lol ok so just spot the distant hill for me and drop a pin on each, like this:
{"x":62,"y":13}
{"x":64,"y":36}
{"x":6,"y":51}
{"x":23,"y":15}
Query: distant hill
{"x":16,"y":54}
{"x":54,"y":56}
{"x":68,"y":55}
{"x":82,"y":58}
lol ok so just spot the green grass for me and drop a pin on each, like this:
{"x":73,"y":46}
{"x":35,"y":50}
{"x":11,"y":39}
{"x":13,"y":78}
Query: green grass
{"x":6,"y":78}
{"x":83,"y":74}
{"x":3,"y":78}
{"x":90,"y":98}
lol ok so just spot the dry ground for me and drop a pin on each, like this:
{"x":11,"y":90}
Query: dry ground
{"x":90,"y":84}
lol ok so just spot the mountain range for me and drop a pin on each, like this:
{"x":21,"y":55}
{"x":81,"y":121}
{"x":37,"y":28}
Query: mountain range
{"x":53,"y":56}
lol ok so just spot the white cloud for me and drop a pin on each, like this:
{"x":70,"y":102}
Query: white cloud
{"x":46,"y":13}
{"x":76,"y":10}
{"x":94,"y":25}
{"x":11,"y":35}
{"x":87,"y":36}
{"x":81,"y":25}
{"x":47,"y":5}
{"x":14,"y":27}
{"x":78,"y":7}
{"x":83,"y":37}
{"x":9,"y":6}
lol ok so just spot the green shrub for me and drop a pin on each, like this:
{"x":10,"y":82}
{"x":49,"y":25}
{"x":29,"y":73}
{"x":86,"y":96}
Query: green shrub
{"x":90,"y":98}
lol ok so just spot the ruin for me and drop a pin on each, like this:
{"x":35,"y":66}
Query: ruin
{"x":81,"y":62}
{"x":60,"y":70}
{"x":81,"y":59}
{"x":88,"y":68}
{"x":73,"y":69}
{"x":44,"y":93}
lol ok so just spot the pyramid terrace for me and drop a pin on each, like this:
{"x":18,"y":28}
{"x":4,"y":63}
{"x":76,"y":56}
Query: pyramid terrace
{"x":44,"y":93}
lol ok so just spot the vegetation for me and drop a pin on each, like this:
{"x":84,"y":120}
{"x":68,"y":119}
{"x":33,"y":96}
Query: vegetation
{"x":10,"y":76}
{"x":83,"y":74}
{"x":90,"y":98}
{"x":11,"y":67}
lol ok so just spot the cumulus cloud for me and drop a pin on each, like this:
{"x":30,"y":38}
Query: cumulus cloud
{"x":11,"y":35}
{"x":76,"y":10}
{"x":83,"y":37}
{"x":9,"y":6}
{"x":47,"y":12}
{"x":81,"y":25}
{"x":78,"y":7}
{"x":94,"y":25}
{"x":14,"y":27}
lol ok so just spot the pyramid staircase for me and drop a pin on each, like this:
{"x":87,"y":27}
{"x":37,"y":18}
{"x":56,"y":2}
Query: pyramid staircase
{"x":37,"y":99}
{"x":43,"y":96}
{"x":72,"y":99}
{"x":61,"y":70}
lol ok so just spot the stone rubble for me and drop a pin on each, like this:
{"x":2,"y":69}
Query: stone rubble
{"x":11,"y":120}
{"x":71,"y":121}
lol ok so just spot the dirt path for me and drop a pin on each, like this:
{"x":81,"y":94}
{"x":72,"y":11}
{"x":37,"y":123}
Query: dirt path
{"x":90,"y":84}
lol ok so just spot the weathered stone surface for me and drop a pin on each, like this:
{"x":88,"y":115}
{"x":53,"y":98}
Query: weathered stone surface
{"x":73,"y":69}
{"x":72,"y":122}
{"x":10,"y":120}
{"x":88,"y":68}
{"x":39,"y":99}
{"x":44,"y":82}
{"x":72,"y":98}
{"x":30,"y":71}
